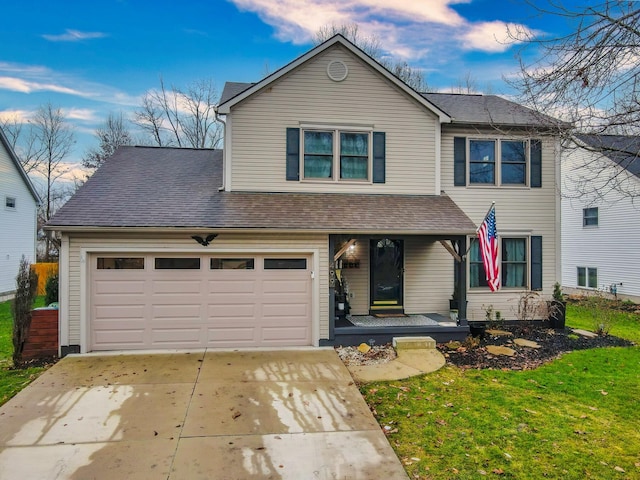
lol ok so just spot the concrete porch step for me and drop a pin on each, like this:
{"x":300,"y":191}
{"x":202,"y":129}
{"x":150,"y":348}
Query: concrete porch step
{"x":413,"y":343}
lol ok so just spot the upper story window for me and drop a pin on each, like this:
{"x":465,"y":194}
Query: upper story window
{"x":497,"y":162}
{"x":336,"y":155}
{"x":590,"y":217}
{"x":10,"y":203}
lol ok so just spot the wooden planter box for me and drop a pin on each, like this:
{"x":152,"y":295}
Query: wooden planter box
{"x":42,"y":340}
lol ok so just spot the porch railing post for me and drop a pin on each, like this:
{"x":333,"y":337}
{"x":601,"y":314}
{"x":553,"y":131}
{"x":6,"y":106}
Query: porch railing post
{"x":332,"y":279}
{"x":462,"y":279}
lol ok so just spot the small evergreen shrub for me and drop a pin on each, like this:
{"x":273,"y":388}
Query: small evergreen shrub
{"x":51,"y":289}
{"x":26,"y":288}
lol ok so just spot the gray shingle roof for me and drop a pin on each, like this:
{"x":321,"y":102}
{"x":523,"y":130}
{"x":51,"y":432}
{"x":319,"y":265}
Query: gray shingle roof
{"x":464,"y":108}
{"x":487,"y":109}
{"x":172,"y":187}
{"x":622,"y":149}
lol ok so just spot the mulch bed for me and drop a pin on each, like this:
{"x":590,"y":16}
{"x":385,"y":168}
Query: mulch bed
{"x":553,"y":343}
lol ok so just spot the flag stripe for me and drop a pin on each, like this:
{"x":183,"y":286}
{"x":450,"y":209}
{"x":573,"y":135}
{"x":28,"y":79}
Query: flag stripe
{"x":488,"y":241}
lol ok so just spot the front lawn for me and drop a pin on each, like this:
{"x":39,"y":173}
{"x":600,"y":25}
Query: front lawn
{"x":12,"y":381}
{"x":573,"y":418}
{"x":624,"y":324}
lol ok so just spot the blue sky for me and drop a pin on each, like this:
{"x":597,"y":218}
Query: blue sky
{"x":95,"y":57}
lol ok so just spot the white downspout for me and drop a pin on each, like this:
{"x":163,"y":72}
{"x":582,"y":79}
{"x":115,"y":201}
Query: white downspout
{"x":224,"y":148}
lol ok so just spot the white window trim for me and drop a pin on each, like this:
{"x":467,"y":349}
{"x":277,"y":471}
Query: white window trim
{"x":586,"y":277}
{"x":337,"y":130}
{"x":15,"y":203}
{"x":498,"y":162}
{"x":483,"y":289}
{"x":584,"y":217}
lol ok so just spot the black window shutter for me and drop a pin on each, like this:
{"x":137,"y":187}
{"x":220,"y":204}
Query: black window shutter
{"x":379,"y":157}
{"x":536,"y":263}
{"x":459,"y":161}
{"x":293,"y":154}
{"x":536,"y":163}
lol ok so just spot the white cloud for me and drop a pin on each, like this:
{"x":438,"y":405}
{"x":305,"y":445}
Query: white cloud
{"x":20,"y":116}
{"x":35,"y":78}
{"x":409,"y":29}
{"x":82,"y":114}
{"x":26,"y":86}
{"x":496,"y":36}
{"x":73,"y":36}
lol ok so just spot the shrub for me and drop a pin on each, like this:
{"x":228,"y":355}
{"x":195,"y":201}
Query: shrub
{"x":51,"y":289}
{"x":26,"y":287}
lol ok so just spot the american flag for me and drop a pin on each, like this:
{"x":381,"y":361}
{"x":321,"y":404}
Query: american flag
{"x":488,"y":240}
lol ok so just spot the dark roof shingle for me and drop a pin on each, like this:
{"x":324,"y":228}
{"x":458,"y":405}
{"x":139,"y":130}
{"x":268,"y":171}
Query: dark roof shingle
{"x":622,"y":149}
{"x":178,"y":188}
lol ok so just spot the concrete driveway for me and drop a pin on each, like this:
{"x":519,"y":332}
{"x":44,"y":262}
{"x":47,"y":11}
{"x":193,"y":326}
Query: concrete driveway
{"x":292,"y":414}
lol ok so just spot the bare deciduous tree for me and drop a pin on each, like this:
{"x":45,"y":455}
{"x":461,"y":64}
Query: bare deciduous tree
{"x":371,"y":45}
{"x":23,"y":141}
{"x":113,"y":134}
{"x":589,"y":77}
{"x":181,"y":117}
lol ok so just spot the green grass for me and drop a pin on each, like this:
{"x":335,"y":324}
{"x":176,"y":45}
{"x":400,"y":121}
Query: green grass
{"x":573,"y":418}
{"x":12,"y":380}
{"x":623,"y":324}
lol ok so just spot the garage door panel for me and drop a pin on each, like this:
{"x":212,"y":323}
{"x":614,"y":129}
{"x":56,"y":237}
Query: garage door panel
{"x":232,"y":285}
{"x":232,"y":311}
{"x":291,"y":286}
{"x":119,"y":287}
{"x":177,"y":336}
{"x":120,"y":311}
{"x":176,"y":287}
{"x":120,"y":338}
{"x":176,"y":311}
{"x":206,"y":307}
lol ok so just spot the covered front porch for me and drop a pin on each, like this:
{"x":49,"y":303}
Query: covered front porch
{"x":390,"y":285}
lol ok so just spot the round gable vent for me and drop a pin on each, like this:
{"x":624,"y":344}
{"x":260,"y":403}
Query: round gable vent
{"x":337,"y":70}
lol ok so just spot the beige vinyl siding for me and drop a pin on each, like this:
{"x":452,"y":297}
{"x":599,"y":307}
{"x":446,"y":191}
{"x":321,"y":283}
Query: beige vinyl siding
{"x":165,"y":242}
{"x":520,"y":211}
{"x":428,"y":278}
{"x":308,"y":96}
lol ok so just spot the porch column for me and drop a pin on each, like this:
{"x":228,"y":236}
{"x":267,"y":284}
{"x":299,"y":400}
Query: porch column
{"x":331,"y":292}
{"x":462,"y":281}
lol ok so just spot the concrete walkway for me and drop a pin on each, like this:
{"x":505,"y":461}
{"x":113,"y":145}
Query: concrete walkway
{"x":292,"y":414}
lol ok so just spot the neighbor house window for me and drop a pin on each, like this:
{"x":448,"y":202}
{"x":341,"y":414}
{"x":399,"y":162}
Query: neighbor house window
{"x":336,"y":155}
{"x":514,"y":266}
{"x":498,"y":162}
{"x":588,"y":277}
{"x":10,"y":203}
{"x":590,"y":217}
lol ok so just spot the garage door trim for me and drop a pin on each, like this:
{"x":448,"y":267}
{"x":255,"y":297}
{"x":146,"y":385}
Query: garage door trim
{"x":88,"y":253}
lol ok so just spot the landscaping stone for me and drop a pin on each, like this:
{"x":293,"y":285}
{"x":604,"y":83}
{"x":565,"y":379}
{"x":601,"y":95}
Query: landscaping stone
{"x":364,"y":348}
{"x":522,"y":342}
{"x":499,"y":333}
{"x":500,"y":350}
{"x":584,"y":333}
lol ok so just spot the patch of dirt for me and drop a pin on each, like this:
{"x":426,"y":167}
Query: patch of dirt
{"x":553,"y":343}
{"x":37,"y":362}
{"x":378,"y":354}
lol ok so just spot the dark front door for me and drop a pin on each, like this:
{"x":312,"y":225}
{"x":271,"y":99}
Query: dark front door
{"x":387,"y":261}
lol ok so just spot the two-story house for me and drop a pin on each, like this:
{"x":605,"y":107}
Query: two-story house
{"x":18,"y":217}
{"x":342,"y":209}
{"x":600,"y":212}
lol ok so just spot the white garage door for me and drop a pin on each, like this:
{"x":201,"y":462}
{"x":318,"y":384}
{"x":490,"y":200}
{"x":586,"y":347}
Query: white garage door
{"x":192,"y":301}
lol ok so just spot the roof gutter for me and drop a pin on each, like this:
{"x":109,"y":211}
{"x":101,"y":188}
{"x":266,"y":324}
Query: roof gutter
{"x":224,"y":150}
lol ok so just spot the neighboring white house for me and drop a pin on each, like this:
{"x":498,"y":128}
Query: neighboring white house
{"x":601,"y":215}
{"x":18,"y":217}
